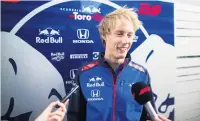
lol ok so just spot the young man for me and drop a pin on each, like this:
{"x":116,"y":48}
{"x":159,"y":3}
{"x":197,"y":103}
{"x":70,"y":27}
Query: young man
{"x":105,"y":84}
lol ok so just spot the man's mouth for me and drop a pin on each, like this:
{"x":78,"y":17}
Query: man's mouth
{"x":122,"y":49}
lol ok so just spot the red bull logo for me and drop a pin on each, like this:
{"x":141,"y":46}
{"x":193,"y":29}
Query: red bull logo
{"x":49,"y":32}
{"x":95,"y":79}
{"x":95,"y":82}
{"x":43,"y":32}
{"x":58,"y":56}
{"x":51,"y":36}
{"x":49,"y":40}
{"x":91,"y":9}
{"x":54,"y":32}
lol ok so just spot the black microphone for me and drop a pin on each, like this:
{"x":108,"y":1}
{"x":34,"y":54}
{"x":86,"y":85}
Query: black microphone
{"x":68,"y":95}
{"x":142,"y":94}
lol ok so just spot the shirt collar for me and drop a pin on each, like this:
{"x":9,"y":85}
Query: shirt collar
{"x":105,"y":63}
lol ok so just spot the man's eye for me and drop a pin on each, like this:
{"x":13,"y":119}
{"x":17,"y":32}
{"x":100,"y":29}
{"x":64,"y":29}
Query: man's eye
{"x":119,"y":34}
{"x":129,"y":36}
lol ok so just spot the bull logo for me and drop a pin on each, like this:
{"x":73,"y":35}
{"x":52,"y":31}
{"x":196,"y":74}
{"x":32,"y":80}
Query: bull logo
{"x":43,"y":32}
{"x":49,"y":32}
{"x":91,"y":9}
{"x":54,"y":32}
{"x":95,"y":79}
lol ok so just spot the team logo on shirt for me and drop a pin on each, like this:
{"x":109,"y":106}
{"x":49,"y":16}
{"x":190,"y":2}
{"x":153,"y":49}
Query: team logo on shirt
{"x":95,"y":95}
{"x":95,"y":81}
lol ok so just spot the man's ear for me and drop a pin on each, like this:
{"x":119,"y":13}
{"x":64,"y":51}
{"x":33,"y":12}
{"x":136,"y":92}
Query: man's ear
{"x":103,"y":40}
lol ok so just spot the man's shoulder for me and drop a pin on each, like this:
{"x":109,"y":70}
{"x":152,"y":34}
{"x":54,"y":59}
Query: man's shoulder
{"x":89,"y":65}
{"x":137,"y":66}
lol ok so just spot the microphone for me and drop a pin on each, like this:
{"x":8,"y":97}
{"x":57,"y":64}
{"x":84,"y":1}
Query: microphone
{"x":142,"y":94}
{"x":68,"y":95}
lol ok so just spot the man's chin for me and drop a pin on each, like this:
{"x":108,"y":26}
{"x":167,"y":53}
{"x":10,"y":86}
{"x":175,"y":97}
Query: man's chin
{"x":121,"y":56}
{"x":120,"y":59}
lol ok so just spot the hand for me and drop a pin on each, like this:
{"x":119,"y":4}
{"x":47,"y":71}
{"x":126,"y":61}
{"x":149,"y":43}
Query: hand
{"x":57,"y":115}
{"x":162,"y":118}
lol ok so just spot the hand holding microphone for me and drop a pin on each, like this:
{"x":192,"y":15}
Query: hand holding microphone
{"x":57,"y":115}
{"x":162,"y":118}
{"x":143,"y":95}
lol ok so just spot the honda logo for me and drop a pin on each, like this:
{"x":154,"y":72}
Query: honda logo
{"x":83,"y":33}
{"x":73,"y":73}
{"x":95,"y":93}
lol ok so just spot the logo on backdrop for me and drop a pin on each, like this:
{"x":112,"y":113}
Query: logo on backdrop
{"x":149,"y":10}
{"x":72,"y":75}
{"x":78,"y":56}
{"x":91,"y":9}
{"x":83,"y":35}
{"x":49,"y":35}
{"x":86,"y":13}
{"x":135,"y":39}
{"x":58,"y":56}
{"x":95,"y":55}
{"x":54,"y":36}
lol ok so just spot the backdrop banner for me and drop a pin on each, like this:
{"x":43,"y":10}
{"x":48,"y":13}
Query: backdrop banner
{"x":45,"y":42}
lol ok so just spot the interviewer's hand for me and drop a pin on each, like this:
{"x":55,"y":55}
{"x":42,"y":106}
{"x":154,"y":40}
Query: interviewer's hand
{"x":57,"y":115}
{"x":162,"y":118}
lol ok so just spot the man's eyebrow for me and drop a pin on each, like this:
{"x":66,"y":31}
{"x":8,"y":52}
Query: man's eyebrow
{"x":119,"y":31}
{"x":130,"y":32}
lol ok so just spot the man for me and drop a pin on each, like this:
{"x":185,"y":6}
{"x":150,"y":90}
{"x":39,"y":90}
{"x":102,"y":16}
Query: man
{"x":105,"y":84}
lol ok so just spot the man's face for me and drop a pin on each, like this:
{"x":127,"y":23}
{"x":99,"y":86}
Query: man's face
{"x":119,"y":40}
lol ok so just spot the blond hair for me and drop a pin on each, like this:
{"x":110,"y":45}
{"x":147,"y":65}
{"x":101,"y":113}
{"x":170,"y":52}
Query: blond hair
{"x":110,"y":21}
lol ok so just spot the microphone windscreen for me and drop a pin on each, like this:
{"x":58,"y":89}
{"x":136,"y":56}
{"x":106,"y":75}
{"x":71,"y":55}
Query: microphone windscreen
{"x":141,"y":92}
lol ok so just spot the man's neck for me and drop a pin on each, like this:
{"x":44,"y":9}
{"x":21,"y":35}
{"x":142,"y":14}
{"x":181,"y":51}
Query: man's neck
{"x":113,"y":62}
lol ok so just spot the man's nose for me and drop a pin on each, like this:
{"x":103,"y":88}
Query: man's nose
{"x":126,"y":39}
